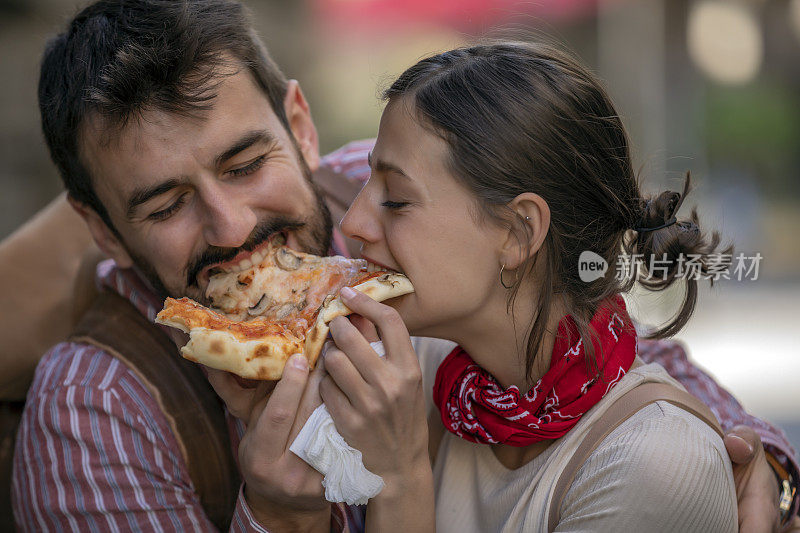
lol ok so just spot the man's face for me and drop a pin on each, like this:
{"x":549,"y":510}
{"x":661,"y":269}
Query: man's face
{"x":192,"y":195}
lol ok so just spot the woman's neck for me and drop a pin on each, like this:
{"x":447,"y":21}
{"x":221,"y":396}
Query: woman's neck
{"x":497,"y":340}
{"x":506,"y":360}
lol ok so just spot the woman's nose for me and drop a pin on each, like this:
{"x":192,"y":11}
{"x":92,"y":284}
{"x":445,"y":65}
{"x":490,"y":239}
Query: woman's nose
{"x":361,"y":222}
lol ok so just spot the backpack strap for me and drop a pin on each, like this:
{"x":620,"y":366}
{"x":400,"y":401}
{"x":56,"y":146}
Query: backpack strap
{"x":339,"y":192}
{"x":190,"y":405}
{"x":622,"y":409}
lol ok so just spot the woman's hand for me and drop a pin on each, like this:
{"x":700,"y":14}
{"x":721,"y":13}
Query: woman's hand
{"x":378,"y":407}
{"x":377,"y":404}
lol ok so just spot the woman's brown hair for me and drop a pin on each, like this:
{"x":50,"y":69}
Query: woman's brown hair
{"x":522,"y":117}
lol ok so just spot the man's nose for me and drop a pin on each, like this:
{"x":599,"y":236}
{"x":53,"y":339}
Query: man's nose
{"x":228,"y":222}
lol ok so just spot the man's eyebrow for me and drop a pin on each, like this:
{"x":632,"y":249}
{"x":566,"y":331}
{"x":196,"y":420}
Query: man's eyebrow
{"x":143,"y":194}
{"x":245,"y":142}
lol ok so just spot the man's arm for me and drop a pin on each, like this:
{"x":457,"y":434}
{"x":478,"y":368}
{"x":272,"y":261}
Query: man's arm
{"x":283,"y":492}
{"x":96,"y":453}
{"x":38,"y":265}
{"x":672,"y":356}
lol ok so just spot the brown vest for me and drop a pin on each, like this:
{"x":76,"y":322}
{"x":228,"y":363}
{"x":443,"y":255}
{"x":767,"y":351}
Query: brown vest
{"x":193,"y":410}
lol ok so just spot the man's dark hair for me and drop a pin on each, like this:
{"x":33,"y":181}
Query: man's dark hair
{"x":118,"y":58}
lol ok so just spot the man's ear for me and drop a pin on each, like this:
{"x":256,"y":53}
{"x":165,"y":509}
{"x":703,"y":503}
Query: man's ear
{"x":302,"y":127}
{"x":529,"y":224}
{"x":103,"y":236}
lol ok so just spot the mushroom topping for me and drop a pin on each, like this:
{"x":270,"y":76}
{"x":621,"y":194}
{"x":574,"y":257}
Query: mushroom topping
{"x":284,"y":310}
{"x":286,"y":260}
{"x":387,"y":278}
{"x":261,"y":306}
{"x":245,"y":278}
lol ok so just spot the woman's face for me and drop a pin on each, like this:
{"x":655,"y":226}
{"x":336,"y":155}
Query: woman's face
{"x":415,"y":217}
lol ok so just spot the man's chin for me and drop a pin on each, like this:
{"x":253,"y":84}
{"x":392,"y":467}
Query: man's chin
{"x":198,"y":297}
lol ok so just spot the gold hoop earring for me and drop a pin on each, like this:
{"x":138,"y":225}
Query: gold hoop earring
{"x":502,"y":268}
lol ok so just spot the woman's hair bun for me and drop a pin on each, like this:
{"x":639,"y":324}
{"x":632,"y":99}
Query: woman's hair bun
{"x":659,"y":212}
{"x":665,"y":246}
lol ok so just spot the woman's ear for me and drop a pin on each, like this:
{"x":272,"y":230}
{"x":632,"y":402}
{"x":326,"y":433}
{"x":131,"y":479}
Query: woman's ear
{"x":108,"y":241}
{"x":529,"y":225}
{"x":302,"y":127}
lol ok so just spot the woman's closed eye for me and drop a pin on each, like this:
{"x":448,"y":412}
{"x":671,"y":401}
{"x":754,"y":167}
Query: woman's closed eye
{"x":389,"y":204}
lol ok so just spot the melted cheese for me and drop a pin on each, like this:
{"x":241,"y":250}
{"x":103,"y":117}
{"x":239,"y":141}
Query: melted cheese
{"x":287,"y":284}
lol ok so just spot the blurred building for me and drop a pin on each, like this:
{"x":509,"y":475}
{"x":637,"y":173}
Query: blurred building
{"x":710,"y":86}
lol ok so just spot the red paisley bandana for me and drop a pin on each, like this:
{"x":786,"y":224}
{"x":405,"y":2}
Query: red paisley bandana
{"x":474,"y":406}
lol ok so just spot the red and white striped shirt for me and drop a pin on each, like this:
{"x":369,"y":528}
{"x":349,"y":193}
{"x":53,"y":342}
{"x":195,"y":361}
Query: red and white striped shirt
{"x":95,"y":452}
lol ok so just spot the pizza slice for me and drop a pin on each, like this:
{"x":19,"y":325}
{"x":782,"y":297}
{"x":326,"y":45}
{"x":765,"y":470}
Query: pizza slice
{"x":262,"y":316}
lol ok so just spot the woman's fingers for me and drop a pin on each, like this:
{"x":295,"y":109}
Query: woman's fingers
{"x":337,"y":403}
{"x":393,"y":331}
{"x":349,"y":340}
{"x":347,"y":377}
{"x":365,"y":327}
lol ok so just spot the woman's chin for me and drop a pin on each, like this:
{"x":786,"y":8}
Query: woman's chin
{"x":406,"y":308}
{"x":417,"y":324}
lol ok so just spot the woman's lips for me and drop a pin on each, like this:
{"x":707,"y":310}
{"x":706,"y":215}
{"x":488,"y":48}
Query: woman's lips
{"x":374,"y":262}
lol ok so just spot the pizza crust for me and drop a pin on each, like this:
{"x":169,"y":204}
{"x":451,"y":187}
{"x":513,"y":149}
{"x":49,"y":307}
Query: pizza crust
{"x":382,"y":288}
{"x":251,"y":349}
{"x":256,"y":359}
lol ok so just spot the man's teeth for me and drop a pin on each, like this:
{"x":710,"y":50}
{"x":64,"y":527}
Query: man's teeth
{"x":247,"y":263}
{"x":258,"y":257}
{"x":371,"y":267}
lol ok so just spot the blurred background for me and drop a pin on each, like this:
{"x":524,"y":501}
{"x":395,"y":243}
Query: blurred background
{"x":709,"y":86}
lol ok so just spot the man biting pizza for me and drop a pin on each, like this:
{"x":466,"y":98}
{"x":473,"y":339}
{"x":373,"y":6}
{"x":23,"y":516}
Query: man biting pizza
{"x":185,"y":151}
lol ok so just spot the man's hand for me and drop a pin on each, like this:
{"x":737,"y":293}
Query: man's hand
{"x":240,"y":395}
{"x":756,"y":486}
{"x":283,"y":492}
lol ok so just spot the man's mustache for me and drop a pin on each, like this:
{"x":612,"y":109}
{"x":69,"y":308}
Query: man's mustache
{"x":214,"y":254}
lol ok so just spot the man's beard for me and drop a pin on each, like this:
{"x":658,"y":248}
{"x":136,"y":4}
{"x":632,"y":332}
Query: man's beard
{"x":314,"y":239}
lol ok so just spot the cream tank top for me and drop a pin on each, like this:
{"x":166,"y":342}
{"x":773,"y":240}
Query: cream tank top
{"x":661,"y":470}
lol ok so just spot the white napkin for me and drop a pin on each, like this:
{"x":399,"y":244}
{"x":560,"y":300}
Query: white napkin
{"x":320,"y":445}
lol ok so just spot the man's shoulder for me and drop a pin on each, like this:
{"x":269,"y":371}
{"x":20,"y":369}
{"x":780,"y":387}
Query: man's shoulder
{"x":351,"y":159}
{"x":73,"y":363}
{"x":75,"y":384}
{"x":666,"y":352}
{"x":75,"y":367}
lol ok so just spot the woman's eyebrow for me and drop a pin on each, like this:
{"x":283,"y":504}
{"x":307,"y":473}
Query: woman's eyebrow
{"x":379,"y":165}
